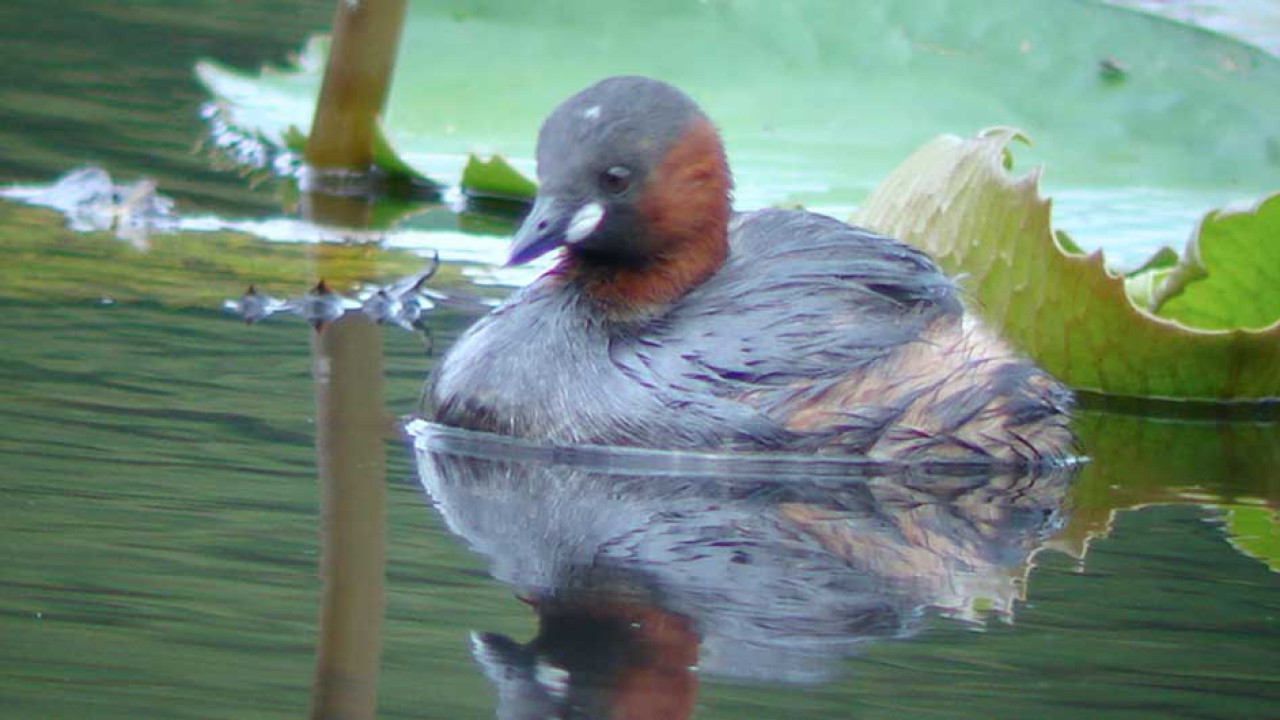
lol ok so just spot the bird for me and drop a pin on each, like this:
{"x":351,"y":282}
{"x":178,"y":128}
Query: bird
{"x":671,"y":321}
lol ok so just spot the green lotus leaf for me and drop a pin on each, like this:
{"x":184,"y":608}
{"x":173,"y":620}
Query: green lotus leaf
{"x":819,"y":100}
{"x":386,"y":158}
{"x":956,"y":199}
{"x":1230,"y":277}
{"x":495,"y":178}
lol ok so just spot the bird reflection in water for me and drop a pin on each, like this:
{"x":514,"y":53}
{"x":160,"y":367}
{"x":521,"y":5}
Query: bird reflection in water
{"x":648,"y":570}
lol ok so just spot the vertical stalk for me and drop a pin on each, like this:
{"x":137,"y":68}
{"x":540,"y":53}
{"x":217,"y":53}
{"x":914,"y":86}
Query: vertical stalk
{"x":366,"y":35}
{"x":351,"y":429}
{"x":347,"y":356}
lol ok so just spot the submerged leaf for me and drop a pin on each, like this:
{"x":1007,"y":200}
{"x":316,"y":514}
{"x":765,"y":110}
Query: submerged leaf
{"x":955,"y":199}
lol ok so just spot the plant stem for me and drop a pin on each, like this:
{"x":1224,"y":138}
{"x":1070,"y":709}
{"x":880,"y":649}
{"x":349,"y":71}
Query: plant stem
{"x":366,"y":35}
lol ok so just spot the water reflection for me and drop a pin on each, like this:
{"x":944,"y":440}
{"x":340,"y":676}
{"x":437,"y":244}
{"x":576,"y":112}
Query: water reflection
{"x":746,"y":572}
{"x":351,"y":461}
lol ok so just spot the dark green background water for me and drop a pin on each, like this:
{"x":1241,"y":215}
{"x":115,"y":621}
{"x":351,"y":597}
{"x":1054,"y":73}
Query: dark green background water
{"x":158,"y":498}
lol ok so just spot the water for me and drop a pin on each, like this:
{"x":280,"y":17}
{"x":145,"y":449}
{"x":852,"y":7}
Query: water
{"x":158,"y":500}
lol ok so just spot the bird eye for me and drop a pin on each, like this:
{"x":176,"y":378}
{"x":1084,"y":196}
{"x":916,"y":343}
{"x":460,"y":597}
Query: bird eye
{"x":616,"y":179}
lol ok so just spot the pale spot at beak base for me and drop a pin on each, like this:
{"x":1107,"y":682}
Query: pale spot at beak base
{"x":584,"y":222}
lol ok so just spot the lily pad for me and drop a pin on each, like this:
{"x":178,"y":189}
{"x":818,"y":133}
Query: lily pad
{"x":386,"y":158}
{"x":1230,"y":277}
{"x":956,"y":199}
{"x":824,"y":98}
{"x":495,"y":178}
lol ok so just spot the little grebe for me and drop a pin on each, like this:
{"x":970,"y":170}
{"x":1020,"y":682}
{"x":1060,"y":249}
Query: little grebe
{"x":673,"y":322}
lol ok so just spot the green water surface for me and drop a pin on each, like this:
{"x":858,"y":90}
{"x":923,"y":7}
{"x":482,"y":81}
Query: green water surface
{"x":158,"y":495}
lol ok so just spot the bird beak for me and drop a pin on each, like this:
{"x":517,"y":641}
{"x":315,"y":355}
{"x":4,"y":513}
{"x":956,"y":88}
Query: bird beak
{"x":542,"y":231}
